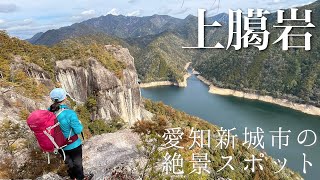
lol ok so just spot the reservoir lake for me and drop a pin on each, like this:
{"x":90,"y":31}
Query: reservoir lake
{"x":229,"y":112}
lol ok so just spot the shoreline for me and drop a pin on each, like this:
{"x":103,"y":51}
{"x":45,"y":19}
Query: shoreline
{"x":308,"y":109}
{"x":169,"y":83}
{"x":156,"y":83}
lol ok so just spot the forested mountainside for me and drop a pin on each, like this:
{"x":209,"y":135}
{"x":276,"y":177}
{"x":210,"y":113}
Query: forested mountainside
{"x":292,"y":74}
{"x":155,"y":41}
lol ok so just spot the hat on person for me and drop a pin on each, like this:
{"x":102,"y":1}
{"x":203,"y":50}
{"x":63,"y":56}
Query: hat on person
{"x":58,"y":94}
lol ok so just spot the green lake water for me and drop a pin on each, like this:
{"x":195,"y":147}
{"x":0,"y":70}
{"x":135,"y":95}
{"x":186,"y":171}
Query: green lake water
{"x":230,"y":112}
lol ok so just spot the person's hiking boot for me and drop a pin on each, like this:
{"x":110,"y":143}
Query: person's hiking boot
{"x":88,"y":176}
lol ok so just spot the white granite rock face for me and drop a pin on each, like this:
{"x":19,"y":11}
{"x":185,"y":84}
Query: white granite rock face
{"x":11,"y":104}
{"x":102,"y":154}
{"x":115,"y":97}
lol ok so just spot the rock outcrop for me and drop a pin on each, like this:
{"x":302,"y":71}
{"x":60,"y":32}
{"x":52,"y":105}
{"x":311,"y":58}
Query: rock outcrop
{"x":12,"y":102}
{"x":103,"y":154}
{"x":115,"y":97}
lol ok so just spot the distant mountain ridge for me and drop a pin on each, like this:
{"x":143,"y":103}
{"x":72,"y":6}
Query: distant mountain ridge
{"x":118,"y":26}
{"x":35,"y":37}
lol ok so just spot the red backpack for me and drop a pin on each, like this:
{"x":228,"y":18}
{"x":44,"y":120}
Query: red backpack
{"x":46,"y":128}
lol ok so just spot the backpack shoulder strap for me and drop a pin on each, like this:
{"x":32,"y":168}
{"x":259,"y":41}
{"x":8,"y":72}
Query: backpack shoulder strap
{"x":57,"y":122}
{"x":59,"y":111}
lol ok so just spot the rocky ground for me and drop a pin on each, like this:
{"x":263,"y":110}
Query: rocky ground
{"x":103,"y":154}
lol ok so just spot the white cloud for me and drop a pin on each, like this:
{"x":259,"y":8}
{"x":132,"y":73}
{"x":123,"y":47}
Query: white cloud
{"x":76,"y":18}
{"x":88,"y":12}
{"x":134,"y":13}
{"x":26,"y":22}
{"x":8,"y":25}
{"x":114,"y":12}
{"x":131,"y":1}
{"x":84,"y":15}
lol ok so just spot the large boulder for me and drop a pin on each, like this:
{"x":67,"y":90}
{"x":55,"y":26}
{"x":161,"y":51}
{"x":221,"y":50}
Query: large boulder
{"x":103,"y":154}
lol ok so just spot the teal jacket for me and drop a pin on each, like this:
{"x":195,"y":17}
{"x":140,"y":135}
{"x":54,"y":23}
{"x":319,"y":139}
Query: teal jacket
{"x":68,"y":120}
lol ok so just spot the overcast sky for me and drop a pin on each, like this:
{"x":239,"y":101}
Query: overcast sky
{"x":24,"y":18}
